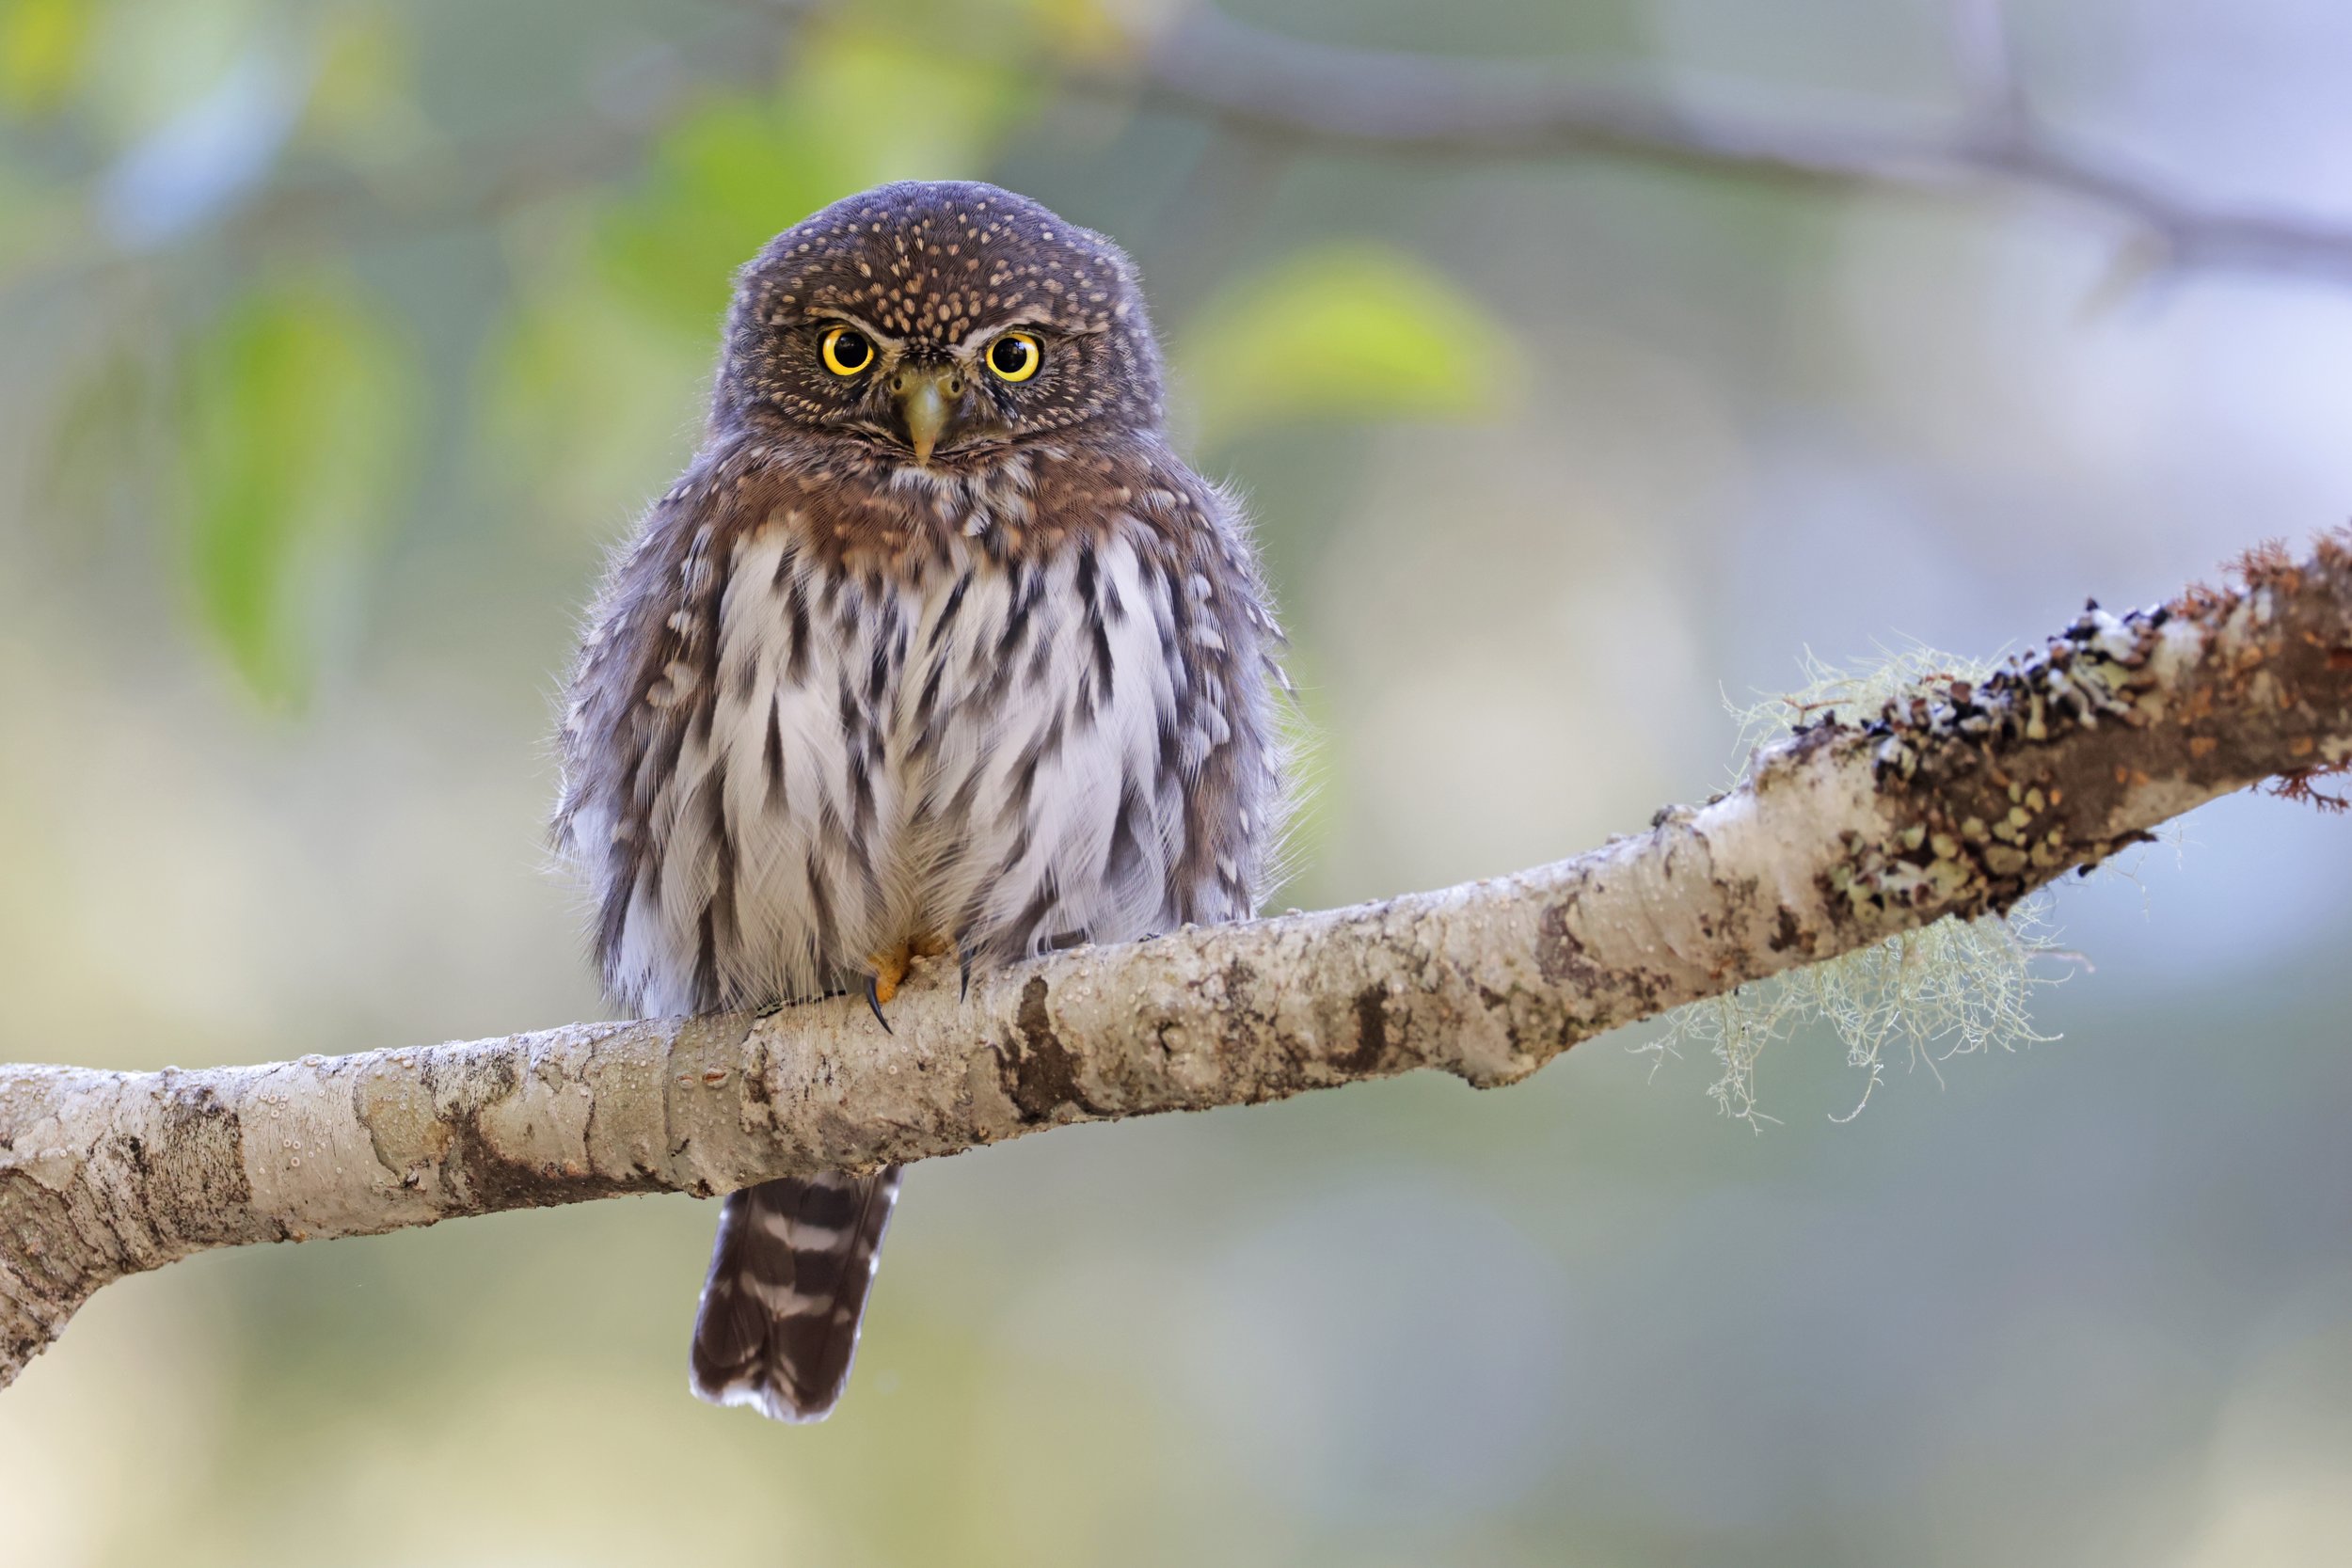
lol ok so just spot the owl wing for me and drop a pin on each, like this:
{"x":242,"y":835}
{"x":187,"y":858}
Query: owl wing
{"x":1226,"y":739}
{"x":644,"y":689}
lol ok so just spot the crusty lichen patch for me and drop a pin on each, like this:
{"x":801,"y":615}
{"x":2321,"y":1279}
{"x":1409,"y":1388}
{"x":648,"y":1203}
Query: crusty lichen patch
{"x":1847,"y":697}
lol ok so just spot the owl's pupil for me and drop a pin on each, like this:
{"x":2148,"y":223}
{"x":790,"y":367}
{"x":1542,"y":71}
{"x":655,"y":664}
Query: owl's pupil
{"x":1009,"y":356}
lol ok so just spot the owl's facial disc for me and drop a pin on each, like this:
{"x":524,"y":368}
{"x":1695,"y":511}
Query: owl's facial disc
{"x":939,"y":326}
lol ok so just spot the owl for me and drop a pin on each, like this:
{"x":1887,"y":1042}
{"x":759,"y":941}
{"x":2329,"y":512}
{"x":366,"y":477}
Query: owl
{"x":936,"y":651}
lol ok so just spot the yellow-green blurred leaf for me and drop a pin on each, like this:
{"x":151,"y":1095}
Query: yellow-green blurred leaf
{"x":882,"y":110}
{"x":588,"y":403}
{"x":295,"y":413}
{"x":1343,"y":332}
{"x":1094,"y":31}
{"x":859,"y":107}
{"x":362,"y":100}
{"x":41,"y":45}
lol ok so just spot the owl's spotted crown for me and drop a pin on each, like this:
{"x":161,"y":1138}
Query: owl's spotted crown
{"x":948,"y":314}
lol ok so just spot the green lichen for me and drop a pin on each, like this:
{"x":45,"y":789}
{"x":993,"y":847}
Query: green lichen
{"x":1951,"y":988}
{"x":1848,"y":696}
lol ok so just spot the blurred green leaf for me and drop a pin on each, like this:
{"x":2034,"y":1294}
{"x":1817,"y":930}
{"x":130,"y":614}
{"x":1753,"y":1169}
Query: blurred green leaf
{"x":1345,"y":332}
{"x":1102,"y":31}
{"x":730,"y":177}
{"x":296,"y":409}
{"x":859,"y":107}
{"x":587,"y":402}
{"x":362,"y":102}
{"x":41,"y":44}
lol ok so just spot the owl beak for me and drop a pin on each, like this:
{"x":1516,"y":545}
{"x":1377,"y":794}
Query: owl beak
{"x":927,"y":400}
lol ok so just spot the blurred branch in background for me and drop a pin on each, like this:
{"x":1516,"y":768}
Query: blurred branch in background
{"x":199,"y":271}
{"x":634,"y":101}
{"x":1959,"y":797}
{"x":1276,"y":96}
{"x":1414,"y":105}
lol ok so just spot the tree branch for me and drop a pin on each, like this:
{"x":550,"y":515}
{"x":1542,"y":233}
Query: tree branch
{"x":1956,"y":801}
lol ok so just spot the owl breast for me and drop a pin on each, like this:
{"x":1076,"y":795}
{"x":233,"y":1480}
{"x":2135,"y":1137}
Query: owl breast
{"x":981,"y":755}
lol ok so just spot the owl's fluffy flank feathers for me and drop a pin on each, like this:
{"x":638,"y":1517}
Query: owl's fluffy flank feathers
{"x":919,"y":656}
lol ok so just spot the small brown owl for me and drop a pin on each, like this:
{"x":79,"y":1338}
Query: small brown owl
{"x":936,"y":650}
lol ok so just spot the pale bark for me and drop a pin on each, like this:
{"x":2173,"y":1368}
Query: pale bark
{"x":1954,"y":802}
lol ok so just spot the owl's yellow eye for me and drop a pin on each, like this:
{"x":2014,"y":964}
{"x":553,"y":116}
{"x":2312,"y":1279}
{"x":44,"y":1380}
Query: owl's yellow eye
{"x":847,"y":350}
{"x":1016,"y":356}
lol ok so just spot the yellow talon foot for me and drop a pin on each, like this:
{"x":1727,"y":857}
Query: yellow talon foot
{"x":891,"y":967}
{"x":890,"y":970}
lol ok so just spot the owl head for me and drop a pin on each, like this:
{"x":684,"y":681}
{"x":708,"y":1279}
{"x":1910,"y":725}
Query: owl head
{"x":938,"y":323}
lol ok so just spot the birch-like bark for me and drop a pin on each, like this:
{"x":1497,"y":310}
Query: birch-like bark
{"x":1956,"y":801}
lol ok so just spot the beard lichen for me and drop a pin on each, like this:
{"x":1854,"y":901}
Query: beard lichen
{"x":1955,"y":988}
{"x":1952,"y":988}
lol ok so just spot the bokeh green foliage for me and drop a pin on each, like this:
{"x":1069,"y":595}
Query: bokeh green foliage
{"x":1351,"y":330}
{"x":296,"y":406}
{"x":857,"y":105}
{"x":40,"y":49}
{"x":294,"y":409}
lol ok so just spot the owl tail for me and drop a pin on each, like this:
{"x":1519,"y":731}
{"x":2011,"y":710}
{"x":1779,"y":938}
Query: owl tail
{"x":788,"y":1275}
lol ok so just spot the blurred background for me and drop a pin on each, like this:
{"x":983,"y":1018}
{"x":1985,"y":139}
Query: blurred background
{"x":338,"y":343}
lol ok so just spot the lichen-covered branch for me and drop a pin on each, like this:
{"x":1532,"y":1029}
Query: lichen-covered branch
{"x":1957,"y":799}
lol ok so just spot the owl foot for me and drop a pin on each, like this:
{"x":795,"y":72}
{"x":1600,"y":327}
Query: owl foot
{"x":892,"y":966}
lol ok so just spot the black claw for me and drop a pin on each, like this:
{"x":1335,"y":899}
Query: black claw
{"x":963,"y":985}
{"x":873,"y":1000}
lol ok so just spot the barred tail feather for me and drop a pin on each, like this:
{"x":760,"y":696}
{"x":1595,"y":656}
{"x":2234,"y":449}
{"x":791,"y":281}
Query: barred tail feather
{"x":788,"y":1275}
